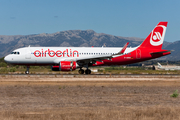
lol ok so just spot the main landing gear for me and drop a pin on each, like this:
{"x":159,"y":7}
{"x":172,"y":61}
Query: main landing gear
{"x":27,"y":70}
{"x":87,"y":71}
{"x":81,"y":71}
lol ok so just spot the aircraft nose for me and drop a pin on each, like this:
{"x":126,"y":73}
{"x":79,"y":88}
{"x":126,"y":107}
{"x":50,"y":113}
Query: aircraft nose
{"x":7,"y":59}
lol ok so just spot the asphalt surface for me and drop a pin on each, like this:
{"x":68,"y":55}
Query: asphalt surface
{"x":92,"y":77}
{"x":96,"y":75}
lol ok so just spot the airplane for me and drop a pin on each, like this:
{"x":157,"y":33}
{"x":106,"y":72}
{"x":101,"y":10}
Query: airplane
{"x":166,"y":68}
{"x":71,"y":58}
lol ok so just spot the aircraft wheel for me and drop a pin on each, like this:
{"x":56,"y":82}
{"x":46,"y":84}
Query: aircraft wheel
{"x":81,"y":71}
{"x":88,"y":71}
{"x":26,"y":72}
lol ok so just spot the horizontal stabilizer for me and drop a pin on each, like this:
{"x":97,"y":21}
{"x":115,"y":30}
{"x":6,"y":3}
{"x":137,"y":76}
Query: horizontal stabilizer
{"x":161,"y":52}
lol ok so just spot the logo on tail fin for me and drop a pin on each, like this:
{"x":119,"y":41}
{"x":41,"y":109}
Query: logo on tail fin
{"x":157,"y":35}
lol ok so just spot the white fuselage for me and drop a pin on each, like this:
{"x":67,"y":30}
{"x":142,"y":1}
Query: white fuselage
{"x":53,"y":55}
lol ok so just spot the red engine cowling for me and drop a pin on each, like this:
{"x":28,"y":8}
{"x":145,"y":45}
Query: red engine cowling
{"x":65,"y":66}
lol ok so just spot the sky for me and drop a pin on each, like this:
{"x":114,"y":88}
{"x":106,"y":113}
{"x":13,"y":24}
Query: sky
{"x":126,"y":18}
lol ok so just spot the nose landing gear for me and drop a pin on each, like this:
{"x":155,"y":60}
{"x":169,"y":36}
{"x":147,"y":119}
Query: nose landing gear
{"x":27,"y":70}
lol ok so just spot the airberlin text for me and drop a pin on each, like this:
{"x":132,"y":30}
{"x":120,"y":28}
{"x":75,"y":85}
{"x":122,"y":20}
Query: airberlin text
{"x":58,"y":53}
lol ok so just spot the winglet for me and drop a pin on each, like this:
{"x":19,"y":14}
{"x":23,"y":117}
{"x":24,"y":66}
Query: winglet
{"x":124,"y":48}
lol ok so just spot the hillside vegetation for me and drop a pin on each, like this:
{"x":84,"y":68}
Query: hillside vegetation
{"x":77,"y":38}
{"x":129,"y":69}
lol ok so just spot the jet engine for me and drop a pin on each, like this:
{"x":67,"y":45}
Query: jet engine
{"x":65,"y":66}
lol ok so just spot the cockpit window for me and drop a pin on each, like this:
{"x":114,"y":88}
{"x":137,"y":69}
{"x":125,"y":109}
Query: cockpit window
{"x":17,"y":53}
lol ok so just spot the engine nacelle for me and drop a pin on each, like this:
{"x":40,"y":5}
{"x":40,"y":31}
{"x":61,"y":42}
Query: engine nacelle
{"x":65,"y":66}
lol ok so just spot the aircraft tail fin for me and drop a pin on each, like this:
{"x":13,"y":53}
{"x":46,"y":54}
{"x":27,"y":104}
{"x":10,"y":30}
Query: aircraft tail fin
{"x":156,"y":37}
{"x":159,"y":65}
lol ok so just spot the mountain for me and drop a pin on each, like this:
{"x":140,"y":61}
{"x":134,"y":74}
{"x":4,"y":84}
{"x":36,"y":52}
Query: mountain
{"x":175,"y":55}
{"x":76,"y":38}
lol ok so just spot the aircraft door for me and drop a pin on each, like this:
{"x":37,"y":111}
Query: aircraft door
{"x":138,"y":54}
{"x":28,"y":54}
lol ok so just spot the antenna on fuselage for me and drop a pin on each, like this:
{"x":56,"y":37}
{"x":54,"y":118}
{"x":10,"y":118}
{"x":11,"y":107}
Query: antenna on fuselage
{"x":104,"y":45}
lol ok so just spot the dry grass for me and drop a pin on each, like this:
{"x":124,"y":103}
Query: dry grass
{"x":95,"y":100}
{"x":103,"y":113}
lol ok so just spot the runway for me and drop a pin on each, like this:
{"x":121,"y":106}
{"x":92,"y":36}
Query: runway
{"x":93,"y":77}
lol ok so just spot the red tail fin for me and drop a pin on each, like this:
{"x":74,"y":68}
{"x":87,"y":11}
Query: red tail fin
{"x":156,"y":37}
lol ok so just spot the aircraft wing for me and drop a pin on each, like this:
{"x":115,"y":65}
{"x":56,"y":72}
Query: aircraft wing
{"x":93,"y":59}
